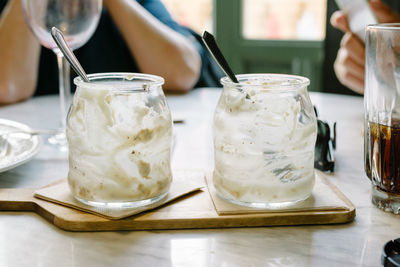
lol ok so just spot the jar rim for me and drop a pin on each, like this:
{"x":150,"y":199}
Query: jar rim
{"x":384,"y":26}
{"x":287,"y":81}
{"x":149,"y":80}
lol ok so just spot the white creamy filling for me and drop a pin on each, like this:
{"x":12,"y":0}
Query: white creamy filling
{"x":119,"y":148}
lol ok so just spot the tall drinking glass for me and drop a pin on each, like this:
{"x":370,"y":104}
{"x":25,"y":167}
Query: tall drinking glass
{"x":382,"y":115}
{"x":77,"y":19}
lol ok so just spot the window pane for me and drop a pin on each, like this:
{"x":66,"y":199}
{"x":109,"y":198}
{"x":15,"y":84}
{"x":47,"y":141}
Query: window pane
{"x":195,"y":14}
{"x":284,"y":19}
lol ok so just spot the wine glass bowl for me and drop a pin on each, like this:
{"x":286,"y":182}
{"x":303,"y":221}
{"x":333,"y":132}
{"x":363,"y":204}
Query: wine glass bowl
{"x":77,"y":19}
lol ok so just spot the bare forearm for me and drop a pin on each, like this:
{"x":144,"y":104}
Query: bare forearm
{"x":156,"y":48}
{"x":19,"y":53}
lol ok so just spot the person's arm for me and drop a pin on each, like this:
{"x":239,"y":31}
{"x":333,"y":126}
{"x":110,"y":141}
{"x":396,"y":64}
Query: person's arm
{"x":350,"y":60}
{"x":156,"y":48}
{"x":19,"y":54}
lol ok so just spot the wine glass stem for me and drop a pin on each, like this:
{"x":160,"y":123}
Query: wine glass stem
{"x":64,"y":87}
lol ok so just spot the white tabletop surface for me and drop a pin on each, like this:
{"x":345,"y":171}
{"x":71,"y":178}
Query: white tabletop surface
{"x":26,"y":239}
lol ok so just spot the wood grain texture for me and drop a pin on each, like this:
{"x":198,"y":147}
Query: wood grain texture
{"x":194,"y":211}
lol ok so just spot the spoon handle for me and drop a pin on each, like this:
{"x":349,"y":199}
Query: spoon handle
{"x":67,"y":52}
{"x":212,"y":47}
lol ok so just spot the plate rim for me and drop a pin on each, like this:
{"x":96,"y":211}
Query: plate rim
{"x":34,"y":149}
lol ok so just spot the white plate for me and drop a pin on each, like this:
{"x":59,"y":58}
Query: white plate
{"x":21,"y":147}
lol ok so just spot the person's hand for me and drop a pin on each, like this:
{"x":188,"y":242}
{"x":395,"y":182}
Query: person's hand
{"x":349,"y":63}
{"x":350,"y":60}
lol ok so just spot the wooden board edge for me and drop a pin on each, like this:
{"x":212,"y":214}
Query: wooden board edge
{"x":13,"y":202}
{"x":338,"y":193}
{"x":17,"y":199}
{"x":302,"y":218}
{"x":28,"y":203}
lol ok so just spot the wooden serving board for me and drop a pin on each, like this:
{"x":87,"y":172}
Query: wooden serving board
{"x":194,"y":211}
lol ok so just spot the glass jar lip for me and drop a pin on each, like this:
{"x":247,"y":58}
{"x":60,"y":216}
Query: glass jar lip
{"x":148,"y":79}
{"x":292,"y":81}
{"x":384,"y":26}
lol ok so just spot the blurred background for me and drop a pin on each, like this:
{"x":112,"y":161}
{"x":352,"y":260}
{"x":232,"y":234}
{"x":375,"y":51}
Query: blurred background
{"x":275,"y":36}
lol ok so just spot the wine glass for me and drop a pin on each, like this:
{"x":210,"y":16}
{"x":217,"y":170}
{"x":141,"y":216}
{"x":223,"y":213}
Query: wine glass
{"x":77,"y":19}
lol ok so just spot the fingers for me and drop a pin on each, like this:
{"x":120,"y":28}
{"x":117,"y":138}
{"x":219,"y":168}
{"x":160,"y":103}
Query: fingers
{"x":354,"y":48}
{"x":383,"y":12}
{"x":349,"y":64}
{"x":348,"y":79}
{"x":345,"y":65}
{"x":355,"y":84}
{"x":339,"y":21}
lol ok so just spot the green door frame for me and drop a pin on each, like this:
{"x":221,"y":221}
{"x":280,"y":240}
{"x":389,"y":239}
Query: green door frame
{"x":284,"y":56}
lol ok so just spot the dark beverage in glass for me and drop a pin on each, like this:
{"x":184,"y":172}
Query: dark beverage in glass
{"x":383,"y":156}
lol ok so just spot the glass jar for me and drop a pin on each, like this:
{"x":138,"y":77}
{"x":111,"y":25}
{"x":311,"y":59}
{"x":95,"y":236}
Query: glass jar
{"x":264,"y":134}
{"x":119,"y":133}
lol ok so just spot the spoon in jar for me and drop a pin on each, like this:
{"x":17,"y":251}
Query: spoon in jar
{"x":68,"y":54}
{"x":214,"y":50}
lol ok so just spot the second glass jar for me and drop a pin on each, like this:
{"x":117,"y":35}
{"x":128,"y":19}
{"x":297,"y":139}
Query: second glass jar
{"x":264,"y":132}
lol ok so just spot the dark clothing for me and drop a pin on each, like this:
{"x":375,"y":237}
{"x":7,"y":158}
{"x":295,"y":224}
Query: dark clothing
{"x":106,"y":51}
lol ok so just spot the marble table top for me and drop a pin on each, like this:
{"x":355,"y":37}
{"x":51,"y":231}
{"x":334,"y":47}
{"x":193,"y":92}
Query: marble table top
{"x":26,"y":239}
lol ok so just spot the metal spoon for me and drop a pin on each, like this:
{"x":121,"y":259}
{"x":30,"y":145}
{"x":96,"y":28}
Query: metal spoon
{"x":214,"y":50}
{"x":68,"y":54}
